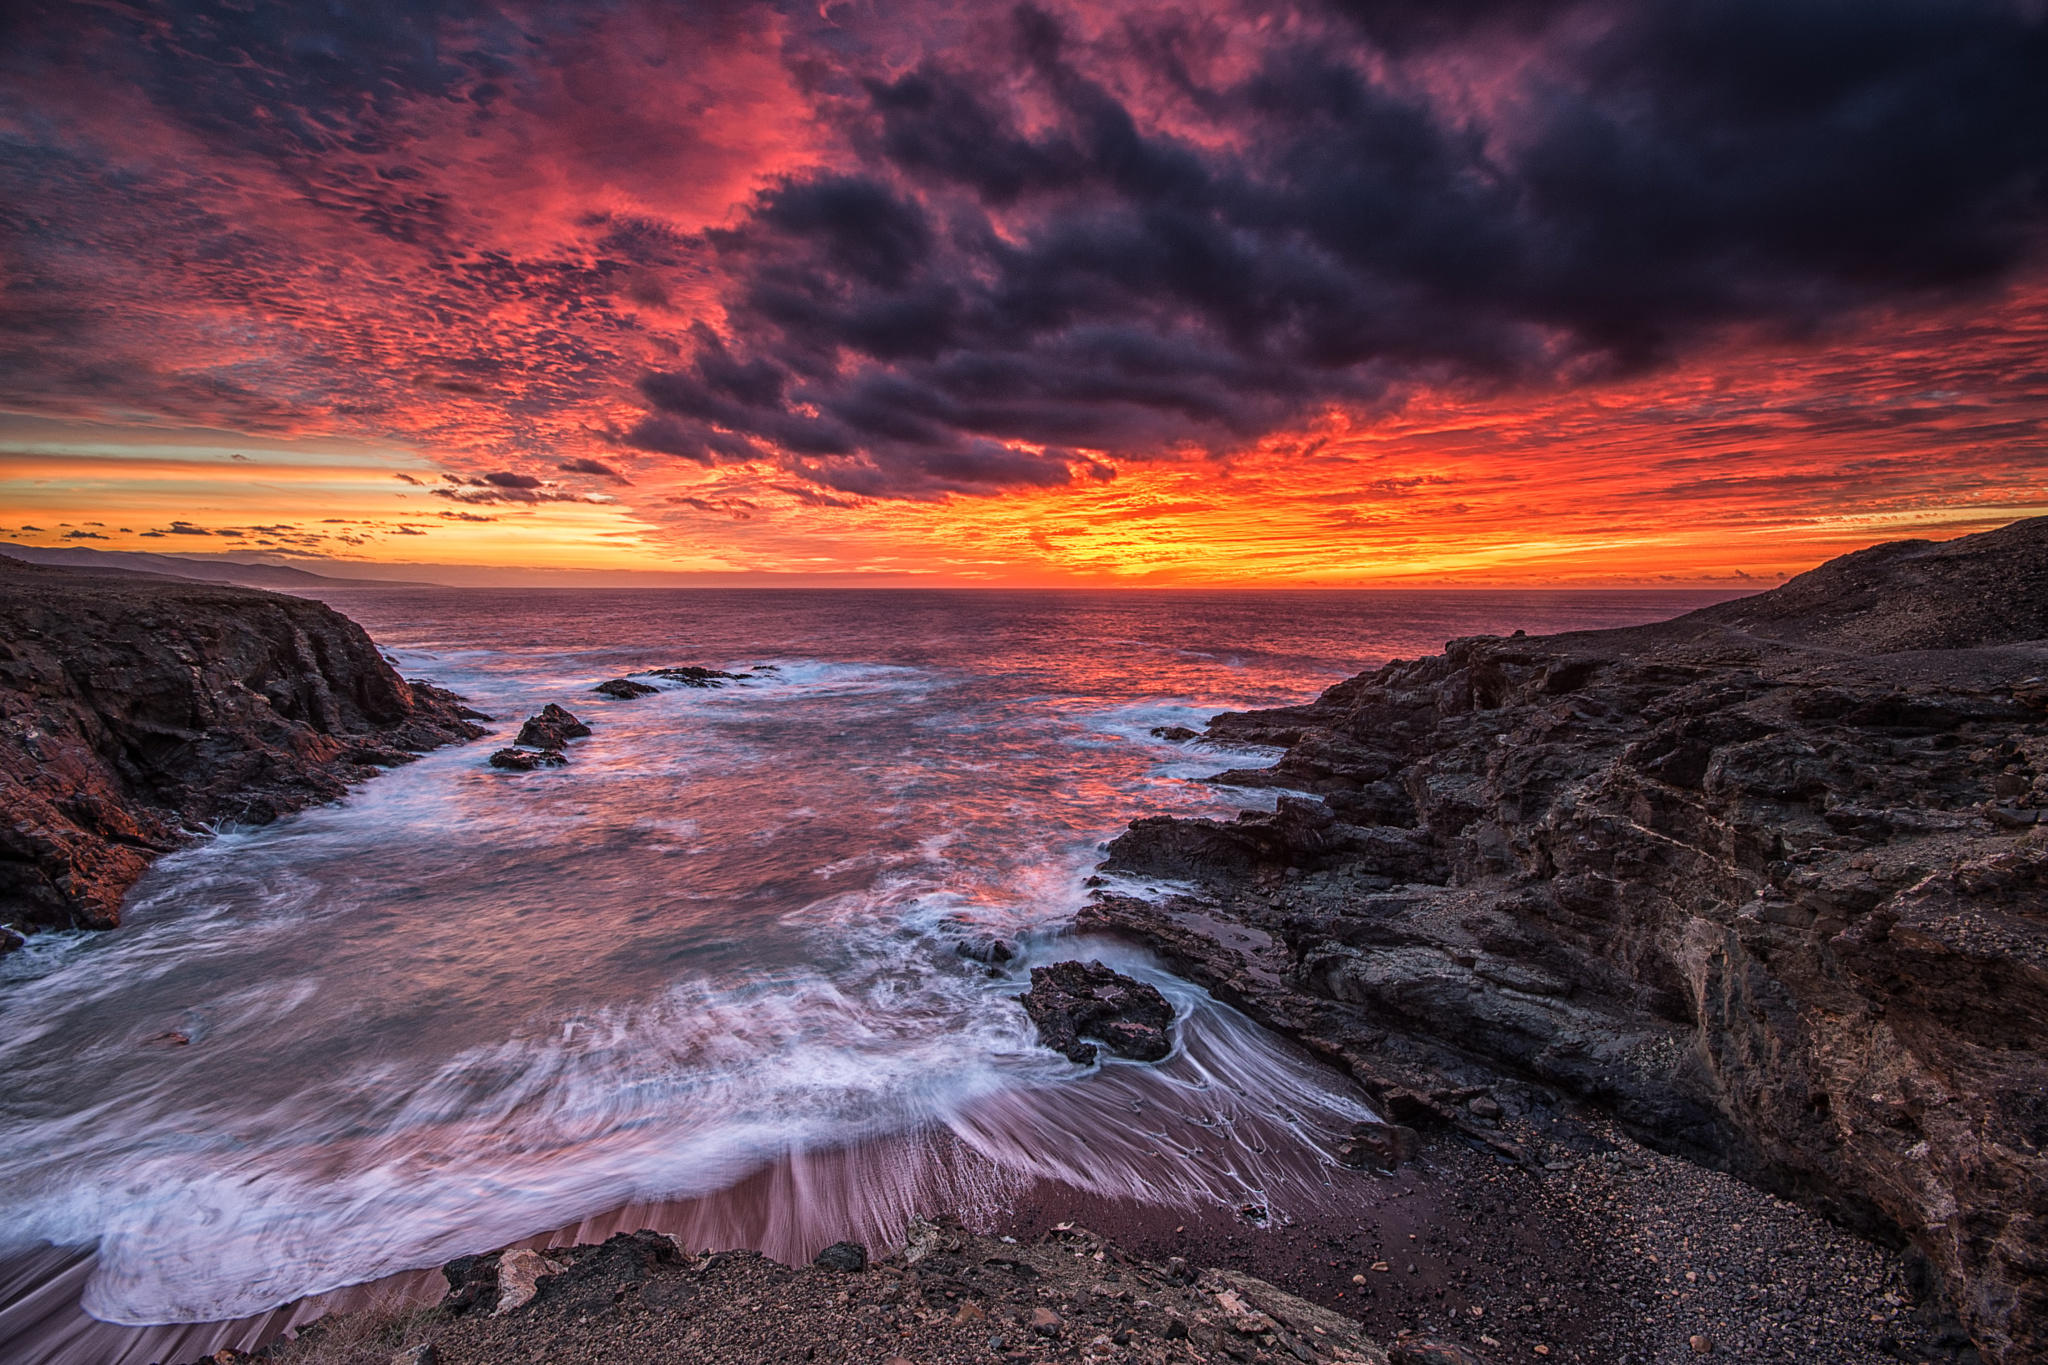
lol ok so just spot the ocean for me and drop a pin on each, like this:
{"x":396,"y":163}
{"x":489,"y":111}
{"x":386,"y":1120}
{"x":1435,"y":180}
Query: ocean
{"x":704,"y":978}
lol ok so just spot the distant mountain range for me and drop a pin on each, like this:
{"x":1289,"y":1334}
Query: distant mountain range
{"x":274,"y":576}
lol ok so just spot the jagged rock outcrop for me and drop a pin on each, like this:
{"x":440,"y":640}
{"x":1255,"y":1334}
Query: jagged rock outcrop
{"x":551,"y":727}
{"x":1768,"y":882}
{"x":135,"y":711}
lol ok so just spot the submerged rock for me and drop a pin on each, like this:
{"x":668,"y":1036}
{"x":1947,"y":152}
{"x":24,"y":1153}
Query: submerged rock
{"x":526,"y":760}
{"x":625,"y":689}
{"x":1175,"y":734}
{"x":1072,"y":1000}
{"x":551,"y":728}
{"x":986,"y":948}
{"x":689,"y":675}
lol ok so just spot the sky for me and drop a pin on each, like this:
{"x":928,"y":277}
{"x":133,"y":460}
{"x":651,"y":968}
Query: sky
{"x":1332,"y":293}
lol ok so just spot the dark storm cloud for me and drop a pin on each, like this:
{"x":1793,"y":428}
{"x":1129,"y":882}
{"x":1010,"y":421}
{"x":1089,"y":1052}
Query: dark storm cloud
{"x":503,"y":486}
{"x":1035,"y":237}
{"x":596,"y":467}
{"x":988,"y":288}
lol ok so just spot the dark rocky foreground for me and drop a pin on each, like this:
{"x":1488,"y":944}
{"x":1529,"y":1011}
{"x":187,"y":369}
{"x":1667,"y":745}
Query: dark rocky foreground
{"x":1766,"y":886}
{"x":136,"y":710}
{"x":948,"y":1296}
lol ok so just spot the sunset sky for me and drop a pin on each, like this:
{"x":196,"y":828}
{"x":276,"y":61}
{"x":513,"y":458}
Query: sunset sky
{"x":1321,"y":294}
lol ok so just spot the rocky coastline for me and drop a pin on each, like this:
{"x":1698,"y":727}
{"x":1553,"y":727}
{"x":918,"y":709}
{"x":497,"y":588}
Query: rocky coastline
{"x":1698,"y":970}
{"x":1765,"y":886}
{"x":138,"y":712}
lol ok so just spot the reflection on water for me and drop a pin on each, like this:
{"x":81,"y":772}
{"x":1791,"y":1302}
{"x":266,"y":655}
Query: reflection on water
{"x":709,"y":962}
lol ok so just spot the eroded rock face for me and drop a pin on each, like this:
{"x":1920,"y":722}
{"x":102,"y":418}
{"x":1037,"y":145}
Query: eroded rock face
{"x":1768,"y":882}
{"x":1075,"y":1001}
{"x":135,"y":711}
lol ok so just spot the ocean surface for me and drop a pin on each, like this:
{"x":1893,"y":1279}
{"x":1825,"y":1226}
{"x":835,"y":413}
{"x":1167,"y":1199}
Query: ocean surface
{"x":703,"y":978}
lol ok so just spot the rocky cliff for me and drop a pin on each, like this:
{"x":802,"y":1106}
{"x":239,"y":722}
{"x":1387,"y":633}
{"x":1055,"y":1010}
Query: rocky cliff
{"x":1767,"y":883}
{"x":135,"y":711}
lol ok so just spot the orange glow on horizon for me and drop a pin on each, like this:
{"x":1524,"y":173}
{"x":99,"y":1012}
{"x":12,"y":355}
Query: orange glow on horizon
{"x":425,"y":346}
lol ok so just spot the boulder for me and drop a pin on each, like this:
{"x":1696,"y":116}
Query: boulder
{"x":551,"y":728}
{"x":625,"y":689}
{"x":520,"y":1272}
{"x":849,"y":1257}
{"x":1072,"y":1000}
{"x":526,"y":760}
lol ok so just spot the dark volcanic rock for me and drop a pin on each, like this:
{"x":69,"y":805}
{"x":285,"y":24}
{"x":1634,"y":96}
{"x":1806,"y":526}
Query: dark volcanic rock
{"x":690,"y":675}
{"x":1072,"y":1000}
{"x":526,"y":760}
{"x":625,"y":689}
{"x":850,"y":1257}
{"x":136,"y":710}
{"x":551,"y":728}
{"x":986,"y":948}
{"x":940,"y":1300}
{"x":1175,"y":734}
{"x":1768,"y":883}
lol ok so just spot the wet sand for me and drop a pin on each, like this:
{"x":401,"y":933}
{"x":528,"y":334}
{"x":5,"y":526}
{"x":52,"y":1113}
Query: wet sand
{"x":1616,"y":1255}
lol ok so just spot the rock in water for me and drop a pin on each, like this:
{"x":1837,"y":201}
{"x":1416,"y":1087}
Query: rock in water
{"x":552,"y":728}
{"x":625,"y":689}
{"x":136,"y":710}
{"x":689,"y":675}
{"x":526,"y":760}
{"x":986,"y":948}
{"x":1071,"y":999}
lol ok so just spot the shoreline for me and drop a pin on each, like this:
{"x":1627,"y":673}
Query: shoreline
{"x":1618,"y":1254}
{"x":1604,"y":917}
